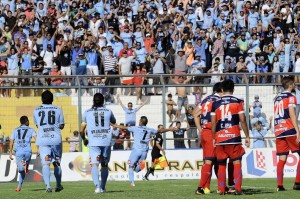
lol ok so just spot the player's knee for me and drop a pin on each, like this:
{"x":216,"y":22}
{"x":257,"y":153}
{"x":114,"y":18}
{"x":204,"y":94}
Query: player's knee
{"x":56,"y":164}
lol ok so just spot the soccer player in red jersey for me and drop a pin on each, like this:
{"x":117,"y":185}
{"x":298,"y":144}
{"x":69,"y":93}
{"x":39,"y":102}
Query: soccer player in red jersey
{"x":226,"y":115}
{"x":286,"y":130}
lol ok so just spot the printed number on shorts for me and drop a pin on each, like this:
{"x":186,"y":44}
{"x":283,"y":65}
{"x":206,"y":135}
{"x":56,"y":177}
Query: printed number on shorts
{"x":96,"y":114}
{"x":226,"y":114}
{"x":51,"y":117}
{"x":279,"y":110}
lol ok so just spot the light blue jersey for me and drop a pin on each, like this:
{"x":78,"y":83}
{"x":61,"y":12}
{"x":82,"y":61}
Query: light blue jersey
{"x":22,"y":137}
{"x":142,"y":135}
{"x":130,"y":116}
{"x":98,"y":121}
{"x":141,"y":54}
{"x":48,"y":118}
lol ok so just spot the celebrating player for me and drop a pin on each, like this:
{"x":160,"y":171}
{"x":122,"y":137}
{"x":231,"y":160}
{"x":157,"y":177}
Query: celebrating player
{"x":226,"y":114}
{"x":97,"y":121}
{"x":156,"y":144}
{"x":49,"y":120}
{"x":286,"y":130}
{"x":142,"y":135}
{"x":203,"y":124}
{"x":22,"y":137}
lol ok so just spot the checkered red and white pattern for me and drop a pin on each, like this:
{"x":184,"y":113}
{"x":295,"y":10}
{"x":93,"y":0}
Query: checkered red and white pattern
{"x":260,"y":160}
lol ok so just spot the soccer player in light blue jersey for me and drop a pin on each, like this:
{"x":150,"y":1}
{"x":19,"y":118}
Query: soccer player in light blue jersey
{"x":49,"y":120}
{"x":96,"y":121}
{"x":22,"y":136}
{"x":142,"y":136}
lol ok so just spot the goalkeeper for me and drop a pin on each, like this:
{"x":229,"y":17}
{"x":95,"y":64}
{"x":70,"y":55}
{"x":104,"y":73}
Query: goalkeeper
{"x":156,"y":144}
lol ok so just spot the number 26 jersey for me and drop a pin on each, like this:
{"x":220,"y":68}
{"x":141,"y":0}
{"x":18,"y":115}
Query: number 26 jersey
{"x":48,"y":118}
{"x":282,"y":120}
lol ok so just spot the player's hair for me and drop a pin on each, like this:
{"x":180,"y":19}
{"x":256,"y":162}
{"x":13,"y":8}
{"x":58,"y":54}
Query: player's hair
{"x":159,"y":125}
{"x":259,"y":122}
{"x":98,"y":100}
{"x":217,"y":87}
{"x":129,"y":103}
{"x":178,"y":122}
{"x":169,"y":95}
{"x":144,"y":120}
{"x":47,"y":97}
{"x":23,"y":119}
{"x":286,"y":81}
{"x":228,"y":85}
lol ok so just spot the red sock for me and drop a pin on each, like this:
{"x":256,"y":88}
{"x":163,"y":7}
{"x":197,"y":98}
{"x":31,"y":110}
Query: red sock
{"x":230,"y":173}
{"x":238,"y":177}
{"x":280,"y":167}
{"x":222,"y":177}
{"x":205,"y":176}
{"x":297,"y":180}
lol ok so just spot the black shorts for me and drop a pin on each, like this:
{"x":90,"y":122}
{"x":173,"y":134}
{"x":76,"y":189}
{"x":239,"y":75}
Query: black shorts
{"x":155,"y":154}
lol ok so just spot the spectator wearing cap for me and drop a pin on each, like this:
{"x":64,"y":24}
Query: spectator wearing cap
{"x":180,"y":63}
{"x":218,"y":48}
{"x":48,"y":56}
{"x":81,"y":64}
{"x":256,"y":106}
{"x":110,"y":64}
{"x":125,"y":68}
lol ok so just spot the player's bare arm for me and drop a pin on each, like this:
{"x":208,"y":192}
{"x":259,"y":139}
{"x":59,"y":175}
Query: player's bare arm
{"x":166,"y":130}
{"x":119,"y":101}
{"x":82,"y":133}
{"x":143,"y":104}
{"x":293,"y":117}
{"x":213,"y":127}
{"x":196,"y":114}
{"x":119,"y":126}
{"x":11,"y":144}
{"x":244,"y":125}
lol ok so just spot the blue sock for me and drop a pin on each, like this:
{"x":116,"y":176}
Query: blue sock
{"x":95,"y":176}
{"x":46,"y":175}
{"x":104,"y":175}
{"x":131,"y":175}
{"x":137,"y":168}
{"x":21,"y":178}
{"x":57,"y":174}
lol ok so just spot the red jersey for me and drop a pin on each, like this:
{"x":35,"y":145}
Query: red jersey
{"x":227,"y":110}
{"x":206,"y":105}
{"x":283,"y":123}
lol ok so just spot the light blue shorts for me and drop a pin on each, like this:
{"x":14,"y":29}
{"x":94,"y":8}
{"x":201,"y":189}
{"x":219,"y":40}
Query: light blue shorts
{"x":50,"y":153}
{"x":137,"y":156}
{"x":22,"y":159}
{"x":99,"y":154}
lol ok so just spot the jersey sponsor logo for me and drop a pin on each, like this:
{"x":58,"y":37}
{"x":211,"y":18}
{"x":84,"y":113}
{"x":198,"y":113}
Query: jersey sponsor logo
{"x":256,"y":163}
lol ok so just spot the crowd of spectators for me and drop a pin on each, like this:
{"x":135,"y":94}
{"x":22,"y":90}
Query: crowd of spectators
{"x":92,"y":37}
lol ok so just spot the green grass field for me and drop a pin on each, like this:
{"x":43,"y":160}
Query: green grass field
{"x":166,"y":189}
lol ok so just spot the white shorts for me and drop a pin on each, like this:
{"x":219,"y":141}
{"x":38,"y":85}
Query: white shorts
{"x":92,"y":70}
{"x":66,"y":70}
{"x":13,"y":73}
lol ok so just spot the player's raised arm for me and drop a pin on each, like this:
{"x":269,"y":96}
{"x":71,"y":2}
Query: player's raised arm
{"x":145,"y":102}
{"x":119,"y":126}
{"x":166,"y":130}
{"x":120,"y":102}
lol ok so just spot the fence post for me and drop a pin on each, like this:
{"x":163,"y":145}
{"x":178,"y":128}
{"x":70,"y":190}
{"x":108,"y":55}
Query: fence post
{"x":79,"y":109}
{"x":163,"y":108}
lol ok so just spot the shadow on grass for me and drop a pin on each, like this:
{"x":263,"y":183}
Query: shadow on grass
{"x":257,"y":191}
{"x":39,"y":189}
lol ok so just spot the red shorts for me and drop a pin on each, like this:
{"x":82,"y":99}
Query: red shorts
{"x":207,"y":145}
{"x":231,"y":151}
{"x":287,"y":144}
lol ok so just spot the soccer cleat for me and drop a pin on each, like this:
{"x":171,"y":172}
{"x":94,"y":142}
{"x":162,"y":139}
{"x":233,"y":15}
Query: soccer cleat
{"x":58,"y":189}
{"x":48,"y":190}
{"x":206,"y":191}
{"x":146,"y":178}
{"x":102,"y":190}
{"x":132,"y":184}
{"x":199,"y":191}
{"x":280,"y":188}
{"x":97,"y":190}
{"x":296,"y":186}
{"x":142,"y":164}
{"x":238,"y":193}
{"x":18,"y":189}
{"x":230,"y":190}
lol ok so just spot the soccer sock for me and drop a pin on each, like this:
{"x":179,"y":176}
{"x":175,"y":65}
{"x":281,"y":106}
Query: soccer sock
{"x":104,"y":176}
{"x":297,"y":180}
{"x":238,"y":177}
{"x":222,"y":177}
{"x":205,"y":176}
{"x":152,"y":171}
{"x":131,"y":175}
{"x":46,"y":175}
{"x":95,"y":176}
{"x":230,"y":173}
{"x":57,"y":174}
{"x":21,"y":178}
{"x":148,"y":172}
{"x":280,"y":167}
{"x":137,"y":168}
